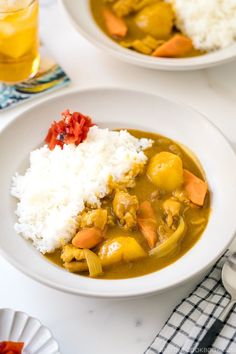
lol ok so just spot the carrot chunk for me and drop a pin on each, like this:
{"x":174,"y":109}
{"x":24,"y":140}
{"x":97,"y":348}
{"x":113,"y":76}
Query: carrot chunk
{"x":195,"y":188}
{"x":88,"y":238}
{"x":175,"y":47}
{"x":146,"y":210}
{"x":147,"y":223}
{"x":116,"y":26}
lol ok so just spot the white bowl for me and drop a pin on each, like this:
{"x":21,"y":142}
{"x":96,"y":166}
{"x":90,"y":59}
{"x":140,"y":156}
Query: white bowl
{"x":115,"y":108}
{"x":17,"y":326}
{"x":79,"y":14}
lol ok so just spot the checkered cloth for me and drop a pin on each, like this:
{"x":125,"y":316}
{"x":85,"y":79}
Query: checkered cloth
{"x":194,"y":316}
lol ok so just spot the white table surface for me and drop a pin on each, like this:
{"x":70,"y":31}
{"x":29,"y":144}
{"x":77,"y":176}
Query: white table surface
{"x":90,"y":326}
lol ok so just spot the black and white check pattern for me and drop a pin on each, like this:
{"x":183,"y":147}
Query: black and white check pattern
{"x":194,"y":315}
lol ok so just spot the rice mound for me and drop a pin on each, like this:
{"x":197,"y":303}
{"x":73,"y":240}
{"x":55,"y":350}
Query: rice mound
{"x":211,"y":24}
{"x":59,"y":182}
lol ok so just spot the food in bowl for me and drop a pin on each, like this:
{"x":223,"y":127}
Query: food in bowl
{"x":110,"y":204}
{"x":168,"y":28}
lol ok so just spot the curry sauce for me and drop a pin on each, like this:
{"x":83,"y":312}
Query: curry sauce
{"x":195,"y":217}
{"x":147,"y":27}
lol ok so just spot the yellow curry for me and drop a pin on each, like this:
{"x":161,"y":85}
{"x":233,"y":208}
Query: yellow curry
{"x":145,"y":226}
{"x":146,"y":26}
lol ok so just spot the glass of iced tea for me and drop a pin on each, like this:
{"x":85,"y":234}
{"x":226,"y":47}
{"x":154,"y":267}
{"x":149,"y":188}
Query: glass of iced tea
{"x":19,"y":41}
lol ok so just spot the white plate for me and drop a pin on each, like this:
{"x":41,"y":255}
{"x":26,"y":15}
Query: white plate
{"x":121,"y":108}
{"x":17,"y":326}
{"x":79,"y":14}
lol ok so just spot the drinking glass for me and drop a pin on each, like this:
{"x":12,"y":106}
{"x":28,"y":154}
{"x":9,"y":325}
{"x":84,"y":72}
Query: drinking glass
{"x":19,"y":41}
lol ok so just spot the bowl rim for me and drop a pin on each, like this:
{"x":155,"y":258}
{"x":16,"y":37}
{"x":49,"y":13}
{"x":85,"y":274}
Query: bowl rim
{"x":211,"y":59}
{"x":142,"y":292}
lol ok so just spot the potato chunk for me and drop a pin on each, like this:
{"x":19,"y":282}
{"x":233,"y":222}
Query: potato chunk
{"x":125,"y":207}
{"x":165,"y":170}
{"x":156,"y":20}
{"x":120,"y":249}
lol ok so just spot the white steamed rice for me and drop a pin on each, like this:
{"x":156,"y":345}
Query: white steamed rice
{"x":58,"y":183}
{"x":211,"y":24}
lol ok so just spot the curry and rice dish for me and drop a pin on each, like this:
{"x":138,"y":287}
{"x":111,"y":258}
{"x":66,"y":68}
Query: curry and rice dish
{"x":110,"y":204}
{"x":168,"y":28}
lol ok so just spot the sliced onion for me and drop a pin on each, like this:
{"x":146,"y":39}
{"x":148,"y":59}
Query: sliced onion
{"x":169,"y":246}
{"x":93,"y":262}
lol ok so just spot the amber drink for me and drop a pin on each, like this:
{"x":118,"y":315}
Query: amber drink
{"x":19,"y":42}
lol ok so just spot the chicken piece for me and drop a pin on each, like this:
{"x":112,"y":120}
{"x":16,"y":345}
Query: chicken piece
{"x":75,"y":267}
{"x":120,"y":249}
{"x":164,"y":232}
{"x":137,"y":45}
{"x":181,"y":195}
{"x":124,"y":7}
{"x":111,"y":220}
{"x":152,"y":42}
{"x":125,"y":207}
{"x":70,"y":252}
{"x":147,"y":223}
{"x":140,"y":4}
{"x":144,"y":46}
{"x":93,"y":218}
{"x":172,"y":210}
{"x":172,"y":206}
{"x":156,"y":195}
{"x":77,"y":260}
{"x":128,"y":180}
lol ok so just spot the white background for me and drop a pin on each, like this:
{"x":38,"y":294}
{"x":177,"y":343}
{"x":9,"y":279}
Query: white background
{"x":90,"y":326}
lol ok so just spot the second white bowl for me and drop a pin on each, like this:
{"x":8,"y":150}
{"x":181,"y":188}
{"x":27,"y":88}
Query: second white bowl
{"x":79,"y":14}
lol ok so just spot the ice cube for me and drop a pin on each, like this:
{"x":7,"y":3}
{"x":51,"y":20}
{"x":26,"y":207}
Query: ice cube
{"x":6,"y":29}
{"x":13,"y":5}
